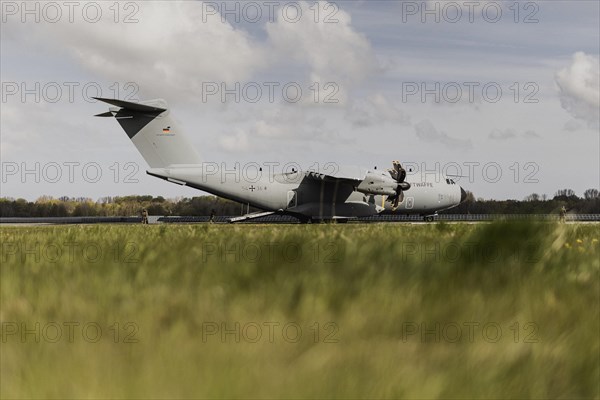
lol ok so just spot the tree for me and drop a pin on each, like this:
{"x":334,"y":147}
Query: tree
{"x":591,"y":194}
{"x":564,"y":194}
{"x":85,"y":209}
{"x":45,"y":199}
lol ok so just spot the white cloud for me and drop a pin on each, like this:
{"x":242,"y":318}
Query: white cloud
{"x":282,"y":122}
{"x":571,"y":126}
{"x":579,"y":85}
{"x":510,"y":133}
{"x":376,"y":110}
{"x":531,"y":135}
{"x":497,"y":134}
{"x":41,"y":131}
{"x":267,"y":128}
{"x":237,"y":143}
{"x":428,"y":133}
{"x":170,"y":51}
{"x":287,"y":122}
{"x":174,"y":49}
{"x":20,"y":130}
{"x":334,"y":52}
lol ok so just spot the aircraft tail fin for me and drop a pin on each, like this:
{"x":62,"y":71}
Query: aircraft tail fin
{"x":152,"y":131}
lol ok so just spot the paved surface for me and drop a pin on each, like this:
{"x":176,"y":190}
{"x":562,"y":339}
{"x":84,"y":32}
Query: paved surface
{"x":450,"y":218}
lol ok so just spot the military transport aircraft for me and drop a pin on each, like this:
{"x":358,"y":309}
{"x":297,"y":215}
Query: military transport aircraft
{"x":330,"y":193}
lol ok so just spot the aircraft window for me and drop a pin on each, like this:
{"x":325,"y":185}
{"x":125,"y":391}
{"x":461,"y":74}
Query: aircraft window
{"x":452,"y":182}
{"x":447,"y":181}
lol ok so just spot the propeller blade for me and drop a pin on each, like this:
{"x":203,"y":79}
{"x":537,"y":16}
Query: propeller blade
{"x":397,"y":200}
{"x":400,"y":173}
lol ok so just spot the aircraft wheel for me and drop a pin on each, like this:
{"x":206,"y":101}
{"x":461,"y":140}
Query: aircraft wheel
{"x":428,"y":218}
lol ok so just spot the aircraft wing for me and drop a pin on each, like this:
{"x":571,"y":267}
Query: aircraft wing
{"x":350,"y":174}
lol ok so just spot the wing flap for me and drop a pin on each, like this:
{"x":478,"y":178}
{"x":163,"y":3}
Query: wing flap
{"x":352,"y":175}
{"x":316,"y":176}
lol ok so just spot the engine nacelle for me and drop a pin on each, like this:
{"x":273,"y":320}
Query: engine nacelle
{"x":378,"y":183}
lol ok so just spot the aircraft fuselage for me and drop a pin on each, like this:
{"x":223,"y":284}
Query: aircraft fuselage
{"x":295,"y":194}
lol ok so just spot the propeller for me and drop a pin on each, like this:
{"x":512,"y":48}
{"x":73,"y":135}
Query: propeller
{"x":398,"y":174}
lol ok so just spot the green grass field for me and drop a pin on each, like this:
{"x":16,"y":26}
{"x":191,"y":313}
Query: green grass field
{"x":301,"y":311}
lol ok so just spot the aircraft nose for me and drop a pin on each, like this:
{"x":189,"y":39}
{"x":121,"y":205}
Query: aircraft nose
{"x":463,"y":195}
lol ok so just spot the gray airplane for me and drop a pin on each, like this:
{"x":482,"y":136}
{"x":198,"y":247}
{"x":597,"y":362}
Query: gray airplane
{"x":325,"y":193}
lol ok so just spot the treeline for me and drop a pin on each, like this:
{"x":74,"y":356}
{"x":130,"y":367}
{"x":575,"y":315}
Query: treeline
{"x":533,"y":204}
{"x":46,"y":206}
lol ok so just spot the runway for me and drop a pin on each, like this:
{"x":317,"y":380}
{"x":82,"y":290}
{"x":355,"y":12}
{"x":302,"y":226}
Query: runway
{"x":285,"y":219}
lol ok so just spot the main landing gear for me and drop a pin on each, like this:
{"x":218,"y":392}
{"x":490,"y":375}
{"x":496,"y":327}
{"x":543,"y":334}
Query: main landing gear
{"x":429,"y":218}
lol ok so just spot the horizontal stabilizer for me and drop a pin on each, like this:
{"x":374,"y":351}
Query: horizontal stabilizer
{"x":153,"y":132}
{"x":132,"y":106}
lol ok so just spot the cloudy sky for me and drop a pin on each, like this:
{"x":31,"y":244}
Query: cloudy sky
{"x":503,"y":92}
